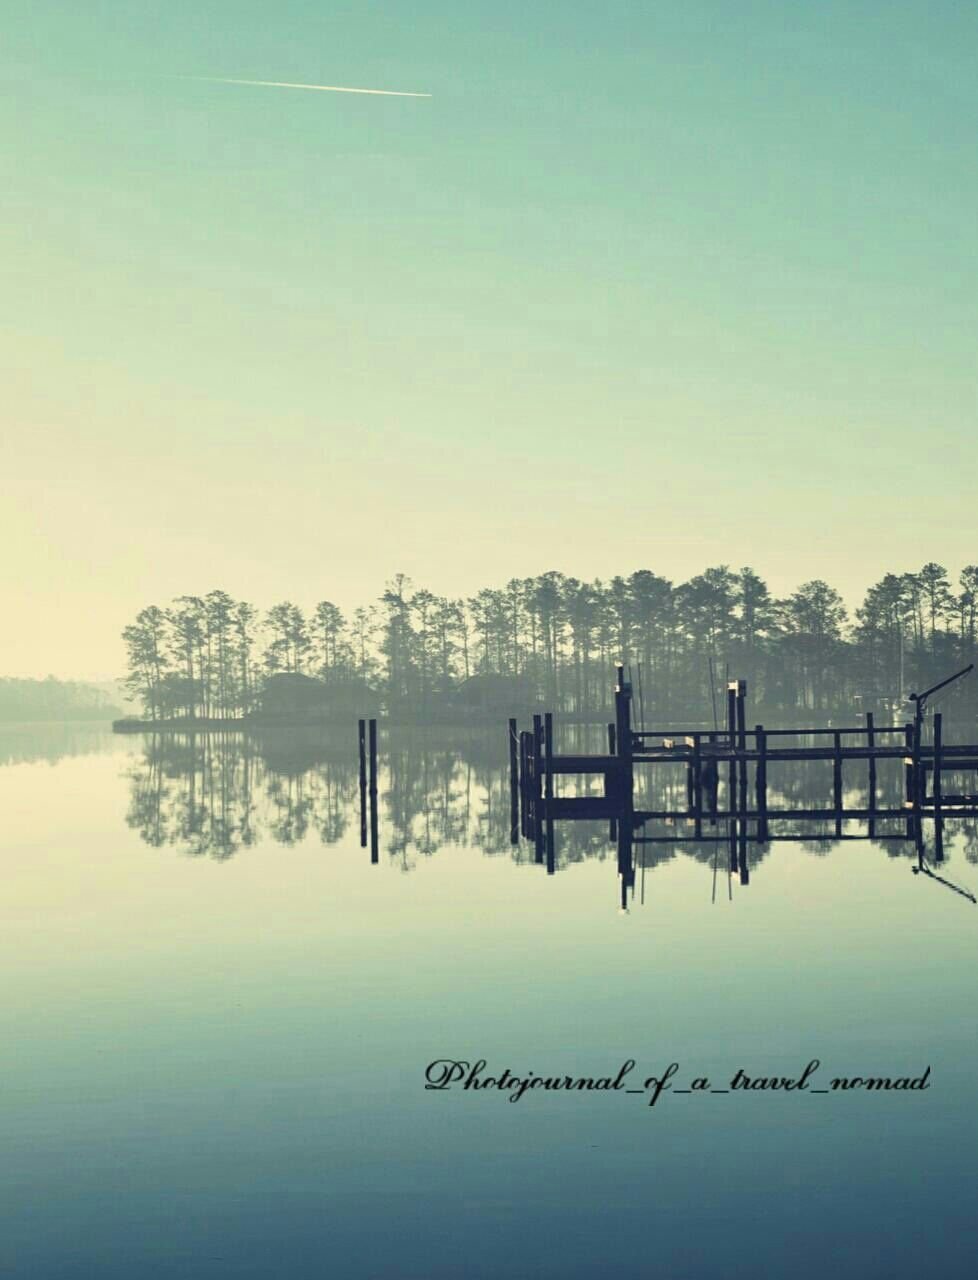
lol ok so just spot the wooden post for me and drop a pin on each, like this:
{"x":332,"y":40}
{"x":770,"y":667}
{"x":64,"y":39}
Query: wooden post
{"x":611,"y":789}
{"x":742,"y":856}
{"x":537,"y":805}
{"x":526,"y":772}
{"x":514,"y":792}
{"x":626,"y":825}
{"x":548,"y":739}
{"x":938,"y":758}
{"x":742,"y":779}
{"x":917,"y":769}
{"x":524,"y":782}
{"x":362,"y":735}
{"x":711,"y":779}
{"x":732,"y":743}
{"x":760,"y":779}
{"x":938,"y":787}
{"x":908,"y":773}
{"x":697,"y":787}
{"x":871,"y":745}
{"x":374,"y":842}
{"x":837,"y":780}
{"x":742,"y":764}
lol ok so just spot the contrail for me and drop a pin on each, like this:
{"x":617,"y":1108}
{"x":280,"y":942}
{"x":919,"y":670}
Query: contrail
{"x":319,"y":88}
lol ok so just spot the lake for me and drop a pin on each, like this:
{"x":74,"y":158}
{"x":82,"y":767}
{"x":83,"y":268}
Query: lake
{"x":219,"y":1015}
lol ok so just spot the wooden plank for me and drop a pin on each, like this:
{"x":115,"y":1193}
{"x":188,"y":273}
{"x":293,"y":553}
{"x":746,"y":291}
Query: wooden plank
{"x":857,"y":732}
{"x":582,"y":764}
{"x":586,"y":808}
{"x":723,"y":754}
{"x":820,"y":815}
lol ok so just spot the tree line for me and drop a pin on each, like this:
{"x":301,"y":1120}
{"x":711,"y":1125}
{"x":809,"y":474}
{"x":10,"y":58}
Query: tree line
{"x":554,"y":640}
{"x":52,"y":699}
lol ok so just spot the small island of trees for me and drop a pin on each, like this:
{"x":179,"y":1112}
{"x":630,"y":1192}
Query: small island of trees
{"x":553,"y":640}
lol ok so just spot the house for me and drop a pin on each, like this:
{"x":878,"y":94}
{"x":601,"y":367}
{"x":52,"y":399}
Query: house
{"x":493,"y":694}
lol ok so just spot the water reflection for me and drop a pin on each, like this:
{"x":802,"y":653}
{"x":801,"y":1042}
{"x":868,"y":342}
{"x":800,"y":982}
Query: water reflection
{"x":212,"y":795}
{"x":33,"y":743}
{"x":217,"y":1029}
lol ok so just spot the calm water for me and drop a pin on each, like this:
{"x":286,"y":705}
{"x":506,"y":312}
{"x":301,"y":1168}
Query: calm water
{"x":218,"y":1016}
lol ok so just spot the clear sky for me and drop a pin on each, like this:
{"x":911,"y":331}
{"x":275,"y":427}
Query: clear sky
{"x":641,"y":285}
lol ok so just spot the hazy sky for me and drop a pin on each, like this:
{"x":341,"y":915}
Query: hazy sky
{"x":714,"y":263}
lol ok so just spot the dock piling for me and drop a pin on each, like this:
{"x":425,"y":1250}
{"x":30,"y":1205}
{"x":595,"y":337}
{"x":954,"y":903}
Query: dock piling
{"x":548,"y":743}
{"x":760,"y":781}
{"x":741,"y":715}
{"x":871,"y":745}
{"x":610,"y":785}
{"x":537,"y":796}
{"x":697,"y":770}
{"x":525,"y":737}
{"x":732,"y":742}
{"x":626,"y":781}
{"x":374,"y":835}
{"x":938,"y":787}
{"x":362,"y":738}
{"x":514,"y":786}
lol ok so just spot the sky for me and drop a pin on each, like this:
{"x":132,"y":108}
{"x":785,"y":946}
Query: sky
{"x":639,"y":286}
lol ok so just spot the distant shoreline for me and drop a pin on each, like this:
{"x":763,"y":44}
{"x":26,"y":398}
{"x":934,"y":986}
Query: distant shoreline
{"x":458,"y":720}
{"x":132,"y":724}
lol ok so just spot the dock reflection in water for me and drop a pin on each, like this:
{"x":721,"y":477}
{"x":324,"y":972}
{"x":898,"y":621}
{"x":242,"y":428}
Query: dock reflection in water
{"x":215,"y":795}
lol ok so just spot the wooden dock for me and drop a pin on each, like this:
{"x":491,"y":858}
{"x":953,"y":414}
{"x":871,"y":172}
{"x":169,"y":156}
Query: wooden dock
{"x":725,"y":772}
